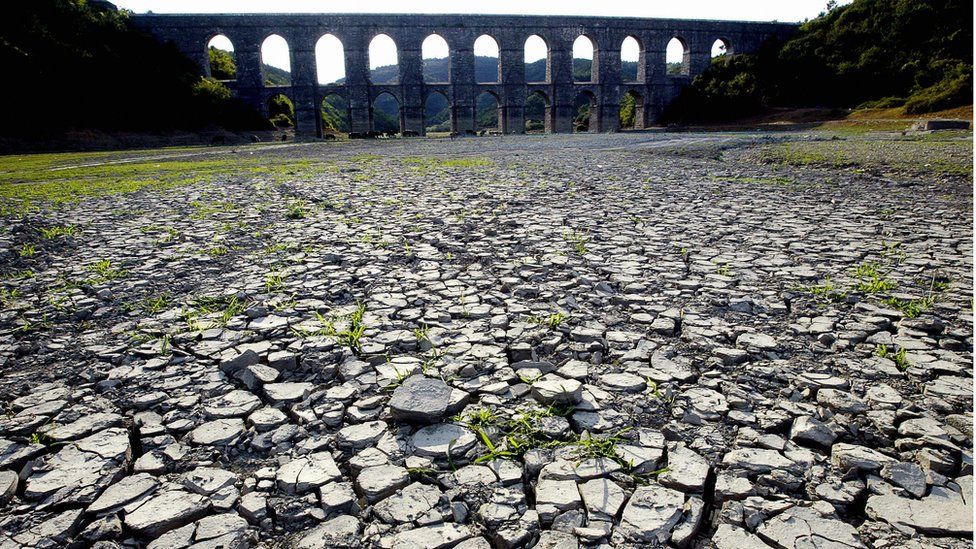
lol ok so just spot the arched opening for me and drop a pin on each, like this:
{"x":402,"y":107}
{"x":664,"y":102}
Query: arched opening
{"x":330,"y":60}
{"x":678,"y":57}
{"x":437,"y":113}
{"x":384,"y":65}
{"x":275,"y":61}
{"x":538,"y":113}
{"x":721,"y":47}
{"x":223,"y":63}
{"x":335,"y":115}
{"x":385,"y":114}
{"x":631,"y":60}
{"x":281,"y":111}
{"x":487,"y":112}
{"x":537,"y":63}
{"x":586,"y":117}
{"x":487,"y":62}
{"x":632,"y":111}
{"x":584,"y":69}
{"x":436,"y":57}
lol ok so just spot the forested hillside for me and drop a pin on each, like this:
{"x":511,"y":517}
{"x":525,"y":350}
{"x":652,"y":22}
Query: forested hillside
{"x":76,"y":65}
{"x":913,"y":54}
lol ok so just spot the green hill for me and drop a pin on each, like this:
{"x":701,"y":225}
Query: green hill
{"x":273,"y":76}
{"x":916,"y":54}
{"x":130,"y":80}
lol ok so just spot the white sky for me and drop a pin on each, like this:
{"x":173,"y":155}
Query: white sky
{"x":330,"y":65}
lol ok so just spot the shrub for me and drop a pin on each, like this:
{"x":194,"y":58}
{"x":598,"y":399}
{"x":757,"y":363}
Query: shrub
{"x":281,"y":121}
{"x":627,"y":111}
{"x":210,"y":90}
{"x":883,"y":103}
{"x":222,"y":65}
{"x":956,"y":88}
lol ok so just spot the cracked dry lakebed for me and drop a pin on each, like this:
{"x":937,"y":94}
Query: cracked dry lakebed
{"x":722,"y":340}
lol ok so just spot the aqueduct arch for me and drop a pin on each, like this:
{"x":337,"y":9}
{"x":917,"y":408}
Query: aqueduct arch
{"x":191,"y":34}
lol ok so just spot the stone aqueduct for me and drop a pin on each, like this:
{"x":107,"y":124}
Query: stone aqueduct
{"x":653,"y":89}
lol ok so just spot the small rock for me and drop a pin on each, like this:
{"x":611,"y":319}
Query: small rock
{"x":341,"y":532}
{"x":219,"y":432}
{"x":166,"y":511}
{"x":809,"y":429}
{"x":553,"y":389}
{"x":420,"y":399}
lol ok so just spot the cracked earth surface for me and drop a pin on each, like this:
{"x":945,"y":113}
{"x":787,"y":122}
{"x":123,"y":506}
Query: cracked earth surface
{"x":555,"y":342}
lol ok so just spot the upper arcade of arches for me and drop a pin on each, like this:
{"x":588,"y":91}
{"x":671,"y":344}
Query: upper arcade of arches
{"x":370,"y":46}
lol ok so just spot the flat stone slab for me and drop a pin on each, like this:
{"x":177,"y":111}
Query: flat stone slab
{"x":686,"y":471}
{"x":800,"y":527}
{"x":731,"y":537}
{"x":237,"y":403}
{"x":851,"y":456}
{"x":651,"y":514}
{"x":124,"y":492}
{"x":940,"y":514}
{"x":166,"y":511}
{"x":376,"y":483}
{"x":436,"y":441}
{"x":219,"y":432}
{"x":408,"y":504}
{"x":555,"y":496}
{"x":363,"y":435}
{"x":439,"y":536}
{"x":420,"y":399}
{"x":306,"y":473}
{"x":623,"y":382}
{"x":208,"y":480}
{"x":602,"y":498}
{"x":708,"y":404}
{"x":758,"y":342}
{"x":341,"y":532}
{"x":554,"y":389}
{"x":759,"y":460}
{"x":285,"y":393}
{"x":84,"y":426}
{"x":81,"y":470}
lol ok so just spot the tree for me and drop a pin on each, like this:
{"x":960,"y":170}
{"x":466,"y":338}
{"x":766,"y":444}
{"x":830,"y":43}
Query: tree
{"x":628,"y":107}
{"x":222,"y":65}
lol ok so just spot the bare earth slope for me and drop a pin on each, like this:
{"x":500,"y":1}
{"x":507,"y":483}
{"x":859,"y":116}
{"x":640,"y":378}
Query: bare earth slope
{"x":712,"y":340}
